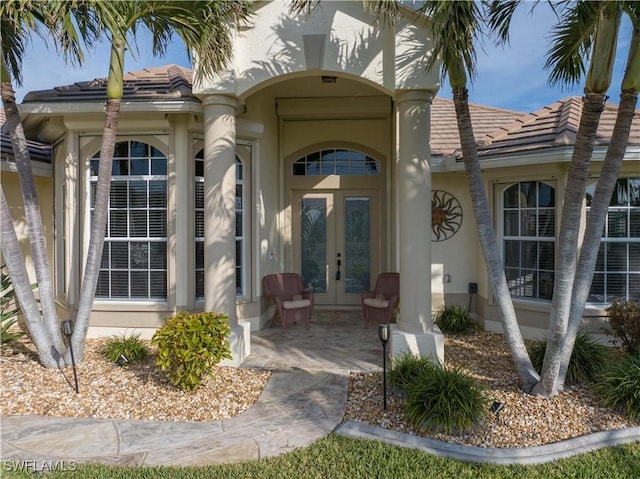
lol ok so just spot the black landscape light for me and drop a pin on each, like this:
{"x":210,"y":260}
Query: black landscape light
{"x":383,"y":334}
{"x":67,"y":330}
{"x":496,"y":407}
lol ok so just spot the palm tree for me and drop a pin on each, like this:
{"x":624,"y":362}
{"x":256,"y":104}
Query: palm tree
{"x":604,"y":189}
{"x":455,"y":27}
{"x":204,"y":26}
{"x":19,"y":20}
{"x":587,"y":29}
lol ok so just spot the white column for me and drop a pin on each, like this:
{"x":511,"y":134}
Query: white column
{"x":219,"y":219}
{"x":415,"y":331}
{"x":182,"y":204}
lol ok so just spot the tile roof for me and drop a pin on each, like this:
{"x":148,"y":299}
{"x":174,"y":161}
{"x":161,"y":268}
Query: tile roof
{"x":445,"y":139}
{"x":497,"y":131}
{"x":169,"y":82}
{"x":552,"y":126}
{"x":38,"y":151}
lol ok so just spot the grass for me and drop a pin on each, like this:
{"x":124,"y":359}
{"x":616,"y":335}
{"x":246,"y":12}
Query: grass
{"x":339,"y":457}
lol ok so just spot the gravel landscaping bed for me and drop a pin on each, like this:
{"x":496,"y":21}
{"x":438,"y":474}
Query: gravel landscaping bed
{"x":525,"y":421}
{"x":142,"y":392}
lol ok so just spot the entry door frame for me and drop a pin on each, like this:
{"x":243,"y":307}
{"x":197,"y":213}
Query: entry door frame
{"x":335,"y":294}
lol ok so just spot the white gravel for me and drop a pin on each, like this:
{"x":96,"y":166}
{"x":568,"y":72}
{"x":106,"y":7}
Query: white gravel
{"x":142,"y":392}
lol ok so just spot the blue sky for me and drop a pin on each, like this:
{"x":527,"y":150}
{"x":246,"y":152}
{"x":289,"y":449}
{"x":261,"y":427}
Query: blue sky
{"x":510,"y":77}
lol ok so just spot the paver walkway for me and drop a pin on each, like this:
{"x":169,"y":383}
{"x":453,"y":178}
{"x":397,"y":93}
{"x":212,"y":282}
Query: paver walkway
{"x":303,"y":401}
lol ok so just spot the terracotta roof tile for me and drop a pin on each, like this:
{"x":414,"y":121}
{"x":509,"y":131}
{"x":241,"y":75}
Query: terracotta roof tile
{"x":497,"y":131}
{"x":552,"y":126}
{"x":169,"y":82}
{"x":37,"y":150}
{"x":445,"y":139}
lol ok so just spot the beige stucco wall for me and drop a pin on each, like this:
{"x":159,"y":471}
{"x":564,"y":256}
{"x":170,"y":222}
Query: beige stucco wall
{"x":44,"y":188}
{"x":462,"y":256}
{"x":338,"y":36}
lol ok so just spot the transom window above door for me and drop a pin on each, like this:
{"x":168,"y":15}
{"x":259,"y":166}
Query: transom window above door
{"x":335,"y":162}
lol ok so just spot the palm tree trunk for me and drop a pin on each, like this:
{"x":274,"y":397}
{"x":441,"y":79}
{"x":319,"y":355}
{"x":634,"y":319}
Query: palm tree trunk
{"x":566,"y":252}
{"x":32,"y":211}
{"x":487,"y":236}
{"x":115,"y":90}
{"x":98,"y":228}
{"x":12,"y":254}
{"x":595,"y":222}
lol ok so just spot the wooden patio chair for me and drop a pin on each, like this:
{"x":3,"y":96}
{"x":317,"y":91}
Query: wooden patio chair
{"x":293,"y":301}
{"x":380,"y":304}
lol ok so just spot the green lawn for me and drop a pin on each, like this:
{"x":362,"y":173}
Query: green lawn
{"x":340,"y":457}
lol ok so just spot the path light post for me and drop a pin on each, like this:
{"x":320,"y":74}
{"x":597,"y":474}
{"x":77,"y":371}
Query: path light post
{"x":383,"y":334}
{"x":67,"y":329}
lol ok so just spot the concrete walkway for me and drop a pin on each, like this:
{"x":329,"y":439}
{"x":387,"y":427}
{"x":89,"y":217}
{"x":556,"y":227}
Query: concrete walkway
{"x":303,"y":401}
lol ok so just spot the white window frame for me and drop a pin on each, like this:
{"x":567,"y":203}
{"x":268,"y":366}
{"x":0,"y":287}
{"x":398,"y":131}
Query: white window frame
{"x":499,"y":190}
{"x":606,"y":240}
{"x":134,"y":239}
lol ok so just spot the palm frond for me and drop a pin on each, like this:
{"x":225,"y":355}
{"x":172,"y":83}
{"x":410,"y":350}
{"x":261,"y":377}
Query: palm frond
{"x":297,"y":7}
{"x":456,"y":28}
{"x":499,"y":15}
{"x":572,"y":39}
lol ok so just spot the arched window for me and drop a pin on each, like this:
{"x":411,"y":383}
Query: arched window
{"x":529,"y":230}
{"x":617,"y":272}
{"x":134,"y":259}
{"x":335,"y":162}
{"x":199,"y":226}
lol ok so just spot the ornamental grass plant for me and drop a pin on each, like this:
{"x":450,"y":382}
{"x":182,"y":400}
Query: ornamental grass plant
{"x":619,"y":385}
{"x":447,"y":401}
{"x":588,"y":358}
{"x":124,"y":349}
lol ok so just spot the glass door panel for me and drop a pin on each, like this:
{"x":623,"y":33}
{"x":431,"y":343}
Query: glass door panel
{"x":336,"y":243}
{"x":313,"y":243}
{"x":357,"y":245}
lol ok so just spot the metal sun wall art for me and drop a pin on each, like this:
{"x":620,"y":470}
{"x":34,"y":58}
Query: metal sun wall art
{"x":446,"y":215}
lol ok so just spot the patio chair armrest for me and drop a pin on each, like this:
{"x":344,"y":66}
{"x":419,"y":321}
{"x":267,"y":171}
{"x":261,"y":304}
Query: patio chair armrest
{"x":308,"y":295}
{"x":368,"y":294}
{"x":394,"y":300}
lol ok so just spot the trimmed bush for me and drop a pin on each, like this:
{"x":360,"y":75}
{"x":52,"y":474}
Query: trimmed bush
{"x":624,"y":319}
{"x":587,"y":359}
{"x":453,"y":319}
{"x":619,"y":386}
{"x":189,"y":345}
{"x":448,"y":401}
{"x":124,"y":350}
{"x":406,"y":369}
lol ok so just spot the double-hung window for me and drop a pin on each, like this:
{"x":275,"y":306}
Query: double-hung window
{"x":529,"y":229}
{"x":617,"y":272}
{"x":134,"y":259}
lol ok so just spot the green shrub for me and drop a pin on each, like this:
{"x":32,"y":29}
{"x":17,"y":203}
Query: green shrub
{"x":453,"y":319}
{"x":9,"y":309}
{"x":189,"y":345}
{"x":448,"y":401}
{"x":124,"y":350}
{"x":406,"y":369}
{"x":587,"y":359}
{"x":619,"y":386}
{"x":624,"y":320}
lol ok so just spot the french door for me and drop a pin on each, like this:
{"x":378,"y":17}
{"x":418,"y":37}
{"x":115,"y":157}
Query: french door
{"x":337,"y":243}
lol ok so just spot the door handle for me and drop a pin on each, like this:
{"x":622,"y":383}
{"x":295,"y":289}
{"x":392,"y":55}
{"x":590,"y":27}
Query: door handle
{"x":338,"y":270}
